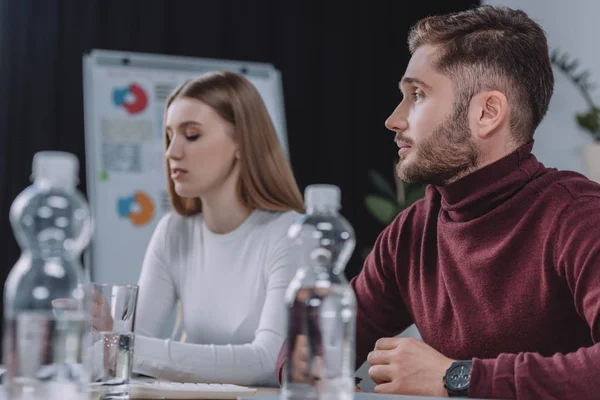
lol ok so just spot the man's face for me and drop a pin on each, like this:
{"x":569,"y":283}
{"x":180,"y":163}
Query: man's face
{"x":435,"y":142}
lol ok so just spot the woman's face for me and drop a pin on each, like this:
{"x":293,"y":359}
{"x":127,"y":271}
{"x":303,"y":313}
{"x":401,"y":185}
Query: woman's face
{"x":202,"y":153}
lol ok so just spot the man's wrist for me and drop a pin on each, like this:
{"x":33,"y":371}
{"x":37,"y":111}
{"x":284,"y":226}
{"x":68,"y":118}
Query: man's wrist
{"x":442,"y":392}
{"x":457,"y":378}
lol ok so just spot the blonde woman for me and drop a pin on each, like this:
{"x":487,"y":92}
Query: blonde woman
{"x":222,"y":253}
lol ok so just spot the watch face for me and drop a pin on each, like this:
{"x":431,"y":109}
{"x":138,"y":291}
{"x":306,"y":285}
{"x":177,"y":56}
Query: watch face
{"x":459,"y":377}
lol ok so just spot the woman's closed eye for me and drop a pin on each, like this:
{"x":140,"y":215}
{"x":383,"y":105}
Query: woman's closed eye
{"x":192,"y":136}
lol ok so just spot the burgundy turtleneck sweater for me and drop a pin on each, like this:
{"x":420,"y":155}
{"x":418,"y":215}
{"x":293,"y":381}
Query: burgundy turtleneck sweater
{"x":501,"y":267}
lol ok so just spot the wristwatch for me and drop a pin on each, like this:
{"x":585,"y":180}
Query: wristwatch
{"x":457,"y":378}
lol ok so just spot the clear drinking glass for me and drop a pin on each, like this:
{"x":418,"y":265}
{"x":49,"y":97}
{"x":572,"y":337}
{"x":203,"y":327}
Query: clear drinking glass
{"x":111,"y":337}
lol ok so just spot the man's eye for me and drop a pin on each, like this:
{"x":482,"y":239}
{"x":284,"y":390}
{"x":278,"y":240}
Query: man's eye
{"x":417,"y":95}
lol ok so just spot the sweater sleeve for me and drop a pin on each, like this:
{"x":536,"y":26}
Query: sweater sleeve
{"x":245,"y":364}
{"x":381,"y":311}
{"x":157,"y":293}
{"x":561,"y":376}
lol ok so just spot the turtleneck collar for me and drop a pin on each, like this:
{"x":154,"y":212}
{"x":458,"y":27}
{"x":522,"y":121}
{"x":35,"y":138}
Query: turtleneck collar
{"x":483,"y":190}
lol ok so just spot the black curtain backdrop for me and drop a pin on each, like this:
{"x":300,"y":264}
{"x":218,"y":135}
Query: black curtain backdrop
{"x":340,"y":67}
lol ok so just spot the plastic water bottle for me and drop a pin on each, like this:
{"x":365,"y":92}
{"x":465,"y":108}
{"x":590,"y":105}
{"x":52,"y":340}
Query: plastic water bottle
{"x":320,"y":302}
{"x":44,"y":315}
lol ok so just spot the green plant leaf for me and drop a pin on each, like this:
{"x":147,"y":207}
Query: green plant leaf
{"x":589,"y":121}
{"x":365,"y":252}
{"x":413,"y":192}
{"x":381,"y":208}
{"x":382,"y":185}
{"x":412,"y":186}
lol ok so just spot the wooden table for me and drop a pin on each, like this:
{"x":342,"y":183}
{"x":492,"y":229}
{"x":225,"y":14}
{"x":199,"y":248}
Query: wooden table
{"x":266,"y":391}
{"x":260,"y":391}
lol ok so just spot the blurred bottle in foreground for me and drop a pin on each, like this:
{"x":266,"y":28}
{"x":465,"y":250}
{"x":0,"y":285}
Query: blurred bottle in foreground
{"x":44,"y":315}
{"x":321,"y":304}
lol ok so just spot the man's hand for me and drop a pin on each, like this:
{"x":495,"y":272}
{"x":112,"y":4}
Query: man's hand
{"x":408,"y":366}
{"x":100,"y":311}
{"x":300,"y":373}
{"x":299,"y":359}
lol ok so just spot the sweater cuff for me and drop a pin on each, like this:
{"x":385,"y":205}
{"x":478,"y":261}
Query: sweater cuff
{"x":281,"y":359}
{"x":493,"y":377}
{"x":150,"y":355}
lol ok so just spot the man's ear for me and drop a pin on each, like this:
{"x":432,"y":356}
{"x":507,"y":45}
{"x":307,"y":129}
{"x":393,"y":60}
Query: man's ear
{"x":489,"y":111}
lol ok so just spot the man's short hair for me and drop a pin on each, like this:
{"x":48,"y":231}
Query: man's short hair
{"x":493,"y":48}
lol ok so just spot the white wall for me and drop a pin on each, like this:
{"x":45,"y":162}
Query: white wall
{"x":571,"y":26}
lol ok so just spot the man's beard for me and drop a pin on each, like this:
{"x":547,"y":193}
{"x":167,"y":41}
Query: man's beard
{"x":445,"y":156}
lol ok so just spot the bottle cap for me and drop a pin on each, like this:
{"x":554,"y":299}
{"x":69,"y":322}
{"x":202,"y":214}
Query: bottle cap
{"x":55,"y":167}
{"x":322,"y":196}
